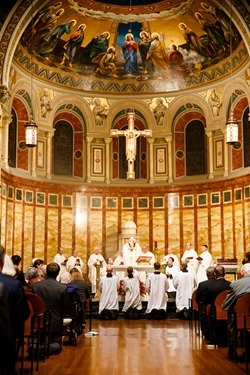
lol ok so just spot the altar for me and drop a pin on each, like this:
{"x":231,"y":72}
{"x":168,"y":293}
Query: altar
{"x":121,"y":270}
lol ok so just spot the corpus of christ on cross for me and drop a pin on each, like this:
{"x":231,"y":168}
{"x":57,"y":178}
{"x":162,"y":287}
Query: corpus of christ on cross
{"x":131,"y":134}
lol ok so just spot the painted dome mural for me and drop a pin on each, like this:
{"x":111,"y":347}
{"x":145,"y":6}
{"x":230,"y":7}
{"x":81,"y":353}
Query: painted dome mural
{"x":137,"y":46}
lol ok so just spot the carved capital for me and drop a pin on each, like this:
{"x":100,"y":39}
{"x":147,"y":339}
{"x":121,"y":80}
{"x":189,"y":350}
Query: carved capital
{"x":4,"y":94}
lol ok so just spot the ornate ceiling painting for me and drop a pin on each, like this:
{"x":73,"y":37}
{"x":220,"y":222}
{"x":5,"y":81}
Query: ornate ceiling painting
{"x":131,"y":47}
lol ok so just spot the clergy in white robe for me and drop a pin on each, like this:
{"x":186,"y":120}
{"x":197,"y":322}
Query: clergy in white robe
{"x":171,"y":254}
{"x":96,"y":259}
{"x":205,"y":260}
{"x":75,"y":261}
{"x":109,"y":286}
{"x":171,"y":271}
{"x":184,"y":284}
{"x":131,"y":286}
{"x":131,"y":251}
{"x":151,"y":260}
{"x":157,"y":285}
{"x":190,"y":256}
{"x":61,"y":260}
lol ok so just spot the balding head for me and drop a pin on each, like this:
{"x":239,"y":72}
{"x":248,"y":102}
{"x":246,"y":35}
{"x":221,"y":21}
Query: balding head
{"x":246,"y":269}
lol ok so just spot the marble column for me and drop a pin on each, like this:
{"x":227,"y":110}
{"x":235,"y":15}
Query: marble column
{"x":107,"y":145}
{"x":224,"y":131}
{"x":5,"y":120}
{"x":151,"y":160}
{"x":49,"y":136}
{"x":170,"y":158}
{"x":210,"y":154}
{"x":33,"y":151}
{"x":88,"y":140}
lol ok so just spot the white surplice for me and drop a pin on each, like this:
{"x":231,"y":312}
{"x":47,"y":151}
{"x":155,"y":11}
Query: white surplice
{"x":109,"y":288}
{"x":157,"y":285}
{"x":131,"y":286}
{"x":184,"y":285}
{"x":207,"y":261}
{"x":95,"y":258}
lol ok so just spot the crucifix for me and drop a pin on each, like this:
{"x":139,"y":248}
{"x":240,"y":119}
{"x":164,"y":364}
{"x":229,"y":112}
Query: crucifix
{"x":131,"y":134}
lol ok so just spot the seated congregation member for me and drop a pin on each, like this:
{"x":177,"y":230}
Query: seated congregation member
{"x":204,"y":286}
{"x":184,"y":284}
{"x":18,"y":313}
{"x":109,"y":286}
{"x":16,"y":260}
{"x":83,"y":291}
{"x":131,"y":286}
{"x":157,"y":285}
{"x":56,"y":299}
{"x":237,"y":289}
{"x":32,"y":271}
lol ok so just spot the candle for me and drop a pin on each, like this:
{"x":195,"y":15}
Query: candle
{"x":155,"y":244}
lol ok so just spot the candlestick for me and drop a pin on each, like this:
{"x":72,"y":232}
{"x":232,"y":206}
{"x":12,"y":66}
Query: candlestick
{"x":155,"y":244}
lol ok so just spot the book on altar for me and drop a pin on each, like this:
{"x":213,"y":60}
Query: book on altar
{"x":143,"y":259}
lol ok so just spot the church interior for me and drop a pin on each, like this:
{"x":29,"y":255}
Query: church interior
{"x":125,"y":114}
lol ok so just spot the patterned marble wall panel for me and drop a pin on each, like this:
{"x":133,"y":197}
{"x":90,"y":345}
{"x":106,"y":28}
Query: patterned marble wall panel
{"x":111,"y":234}
{"x":28,"y":236}
{"x":3,"y":221}
{"x":81,"y":232}
{"x":40,"y":233}
{"x":66,"y":232}
{"x":247,"y":226}
{"x":239,"y":233}
{"x":96,"y":229}
{"x":52,"y":234}
{"x":228,"y":231}
{"x":9,"y":227}
{"x":188,"y":227}
{"x":215,"y":245}
{"x":202,"y":228}
{"x":143,"y":228}
{"x":126,"y":216}
{"x":159,"y":233}
{"x":174,"y":231}
{"x":18,"y":225}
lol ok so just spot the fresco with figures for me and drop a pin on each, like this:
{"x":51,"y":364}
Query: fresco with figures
{"x":131,"y":46}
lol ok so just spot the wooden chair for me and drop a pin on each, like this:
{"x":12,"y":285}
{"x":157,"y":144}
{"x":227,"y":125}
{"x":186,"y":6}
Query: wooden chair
{"x":241,"y":324}
{"x":217,"y":315}
{"x":194,"y":313}
{"x":40,"y":325}
{"x":26,"y":334}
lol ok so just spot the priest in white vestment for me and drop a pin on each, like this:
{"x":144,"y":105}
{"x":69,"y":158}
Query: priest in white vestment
{"x":184,"y":284}
{"x":205,"y":260}
{"x":157,"y":285}
{"x":190,"y":256}
{"x":145,"y":253}
{"x":171,"y":254}
{"x":119,"y":261}
{"x":131,"y":251}
{"x":61,"y":260}
{"x":96,"y":259}
{"x":131,"y":286}
{"x":75,"y":261}
{"x":109,"y":286}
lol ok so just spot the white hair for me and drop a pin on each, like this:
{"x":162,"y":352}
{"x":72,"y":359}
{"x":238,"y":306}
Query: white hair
{"x":8,"y":266}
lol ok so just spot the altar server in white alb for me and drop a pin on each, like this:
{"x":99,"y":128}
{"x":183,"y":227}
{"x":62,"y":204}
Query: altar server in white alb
{"x":75,"y":261}
{"x":184,"y":284}
{"x":109,"y":286}
{"x":131,"y":286}
{"x":205,"y":260}
{"x":131,"y":252}
{"x":61,"y":260}
{"x":157,"y":285}
{"x":96,"y":259}
{"x":190,"y":257}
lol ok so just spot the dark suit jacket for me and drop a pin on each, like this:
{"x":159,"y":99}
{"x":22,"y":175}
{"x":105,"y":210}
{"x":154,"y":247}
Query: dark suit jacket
{"x":202,"y":290}
{"x":18,"y":305}
{"x":216,"y":288}
{"x":55,"y":296}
